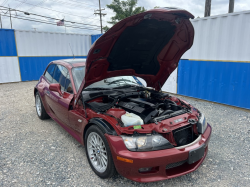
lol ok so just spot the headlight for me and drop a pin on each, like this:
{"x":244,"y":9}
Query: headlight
{"x":202,"y":124}
{"x":146,"y":142}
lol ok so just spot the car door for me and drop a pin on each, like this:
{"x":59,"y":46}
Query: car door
{"x":59,"y":104}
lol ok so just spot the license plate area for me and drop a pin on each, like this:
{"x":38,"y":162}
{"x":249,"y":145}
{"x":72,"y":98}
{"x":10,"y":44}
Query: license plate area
{"x":196,"y":154}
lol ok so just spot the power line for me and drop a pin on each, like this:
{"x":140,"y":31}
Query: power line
{"x":20,"y":4}
{"x":71,"y":4}
{"x":5,"y":1}
{"x":84,"y":3}
{"x":42,"y":21}
{"x":50,"y":17}
{"x":58,"y":11}
{"x":54,"y":19}
{"x":34,"y":6}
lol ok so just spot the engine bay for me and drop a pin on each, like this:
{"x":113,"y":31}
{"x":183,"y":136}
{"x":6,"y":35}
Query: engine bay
{"x":139,"y":106}
{"x":151,"y":106}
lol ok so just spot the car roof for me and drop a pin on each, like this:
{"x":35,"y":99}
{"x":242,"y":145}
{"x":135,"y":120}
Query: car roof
{"x":70,"y":63}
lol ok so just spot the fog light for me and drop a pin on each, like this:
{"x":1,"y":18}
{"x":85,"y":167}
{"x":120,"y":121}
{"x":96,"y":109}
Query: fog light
{"x":143,"y":170}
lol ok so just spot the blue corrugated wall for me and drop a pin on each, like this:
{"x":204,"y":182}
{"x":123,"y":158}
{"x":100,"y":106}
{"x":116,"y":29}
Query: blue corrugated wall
{"x":7,"y":43}
{"x":32,"y":68}
{"x":95,"y":37}
{"x":222,"y":82}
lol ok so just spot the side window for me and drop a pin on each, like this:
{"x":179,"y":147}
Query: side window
{"x":68,"y":85}
{"x":60,"y":76}
{"x":49,"y":73}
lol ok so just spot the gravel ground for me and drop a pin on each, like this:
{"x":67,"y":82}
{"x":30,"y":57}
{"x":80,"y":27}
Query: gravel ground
{"x":41,"y":153}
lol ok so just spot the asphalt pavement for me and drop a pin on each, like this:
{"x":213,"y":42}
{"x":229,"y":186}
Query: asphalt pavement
{"x":41,"y":153}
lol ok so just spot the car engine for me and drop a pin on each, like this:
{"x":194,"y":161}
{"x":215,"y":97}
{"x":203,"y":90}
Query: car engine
{"x":150,"y":105}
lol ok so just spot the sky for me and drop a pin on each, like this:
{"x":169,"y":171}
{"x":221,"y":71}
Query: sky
{"x":81,"y":12}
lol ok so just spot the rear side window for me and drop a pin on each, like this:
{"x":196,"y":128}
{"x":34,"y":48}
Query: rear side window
{"x":49,"y":73}
{"x":60,"y":76}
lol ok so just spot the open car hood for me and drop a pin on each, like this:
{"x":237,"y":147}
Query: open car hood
{"x":147,"y":45}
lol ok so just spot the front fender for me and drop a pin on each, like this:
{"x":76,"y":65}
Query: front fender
{"x":103,"y":125}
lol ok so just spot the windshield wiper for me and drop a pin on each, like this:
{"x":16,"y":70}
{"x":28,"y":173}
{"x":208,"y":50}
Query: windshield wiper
{"x":96,"y":88}
{"x":126,"y":86}
{"x":119,"y":80}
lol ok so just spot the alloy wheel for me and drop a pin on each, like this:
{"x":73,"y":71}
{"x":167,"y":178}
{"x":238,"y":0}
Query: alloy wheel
{"x":97,"y":152}
{"x":38,"y":105}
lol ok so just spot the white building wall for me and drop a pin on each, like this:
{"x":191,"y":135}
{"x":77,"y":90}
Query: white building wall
{"x":9,"y":70}
{"x":170,"y":85}
{"x":34,"y":43}
{"x":223,"y":37}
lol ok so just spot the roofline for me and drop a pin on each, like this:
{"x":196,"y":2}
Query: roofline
{"x":221,"y":15}
{"x":51,"y":32}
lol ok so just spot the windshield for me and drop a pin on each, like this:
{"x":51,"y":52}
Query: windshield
{"x":116,"y":82}
{"x":78,"y":74}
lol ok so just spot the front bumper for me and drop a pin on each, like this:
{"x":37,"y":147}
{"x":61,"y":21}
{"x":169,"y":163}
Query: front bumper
{"x":159,"y":160}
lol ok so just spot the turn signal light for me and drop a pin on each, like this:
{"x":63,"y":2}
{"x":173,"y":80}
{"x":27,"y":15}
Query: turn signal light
{"x":124,"y":159}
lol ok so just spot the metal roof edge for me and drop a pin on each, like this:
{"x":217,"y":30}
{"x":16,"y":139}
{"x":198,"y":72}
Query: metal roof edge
{"x":221,"y":15}
{"x":52,"y":32}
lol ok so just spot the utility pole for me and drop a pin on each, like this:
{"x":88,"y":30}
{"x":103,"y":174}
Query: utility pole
{"x":100,"y":13}
{"x":1,"y":21}
{"x":10,"y":18}
{"x":231,"y":6}
{"x":207,"y":8}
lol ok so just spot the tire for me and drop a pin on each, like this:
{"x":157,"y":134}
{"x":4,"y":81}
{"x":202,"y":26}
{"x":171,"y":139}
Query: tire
{"x":100,"y":151}
{"x":40,"y":111}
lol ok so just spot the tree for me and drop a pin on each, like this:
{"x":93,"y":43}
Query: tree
{"x":123,"y":9}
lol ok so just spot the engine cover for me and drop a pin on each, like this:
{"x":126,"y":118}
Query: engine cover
{"x":141,"y":107}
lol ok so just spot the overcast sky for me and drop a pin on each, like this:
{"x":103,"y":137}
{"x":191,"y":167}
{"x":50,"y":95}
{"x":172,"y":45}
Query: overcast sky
{"x":82,"y":11}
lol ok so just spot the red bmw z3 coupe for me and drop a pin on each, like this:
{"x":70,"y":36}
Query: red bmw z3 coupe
{"x":141,"y":132}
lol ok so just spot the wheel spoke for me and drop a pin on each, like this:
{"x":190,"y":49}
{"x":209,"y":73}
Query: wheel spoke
{"x":92,"y":143}
{"x":104,"y":161}
{"x":104,"y":156}
{"x":96,"y":139}
{"x":101,"y":162}
{"x":98,"y":161}
{"x":93,"y":140}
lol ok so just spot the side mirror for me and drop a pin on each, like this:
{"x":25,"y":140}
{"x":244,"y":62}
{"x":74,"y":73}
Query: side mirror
{"x":56,"y":88}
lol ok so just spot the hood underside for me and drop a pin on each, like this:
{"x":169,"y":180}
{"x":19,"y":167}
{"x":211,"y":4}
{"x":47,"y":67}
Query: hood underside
{"x":147,"y":45}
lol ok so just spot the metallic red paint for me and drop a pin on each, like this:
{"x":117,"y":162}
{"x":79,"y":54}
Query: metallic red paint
{"x":159,"y":159}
